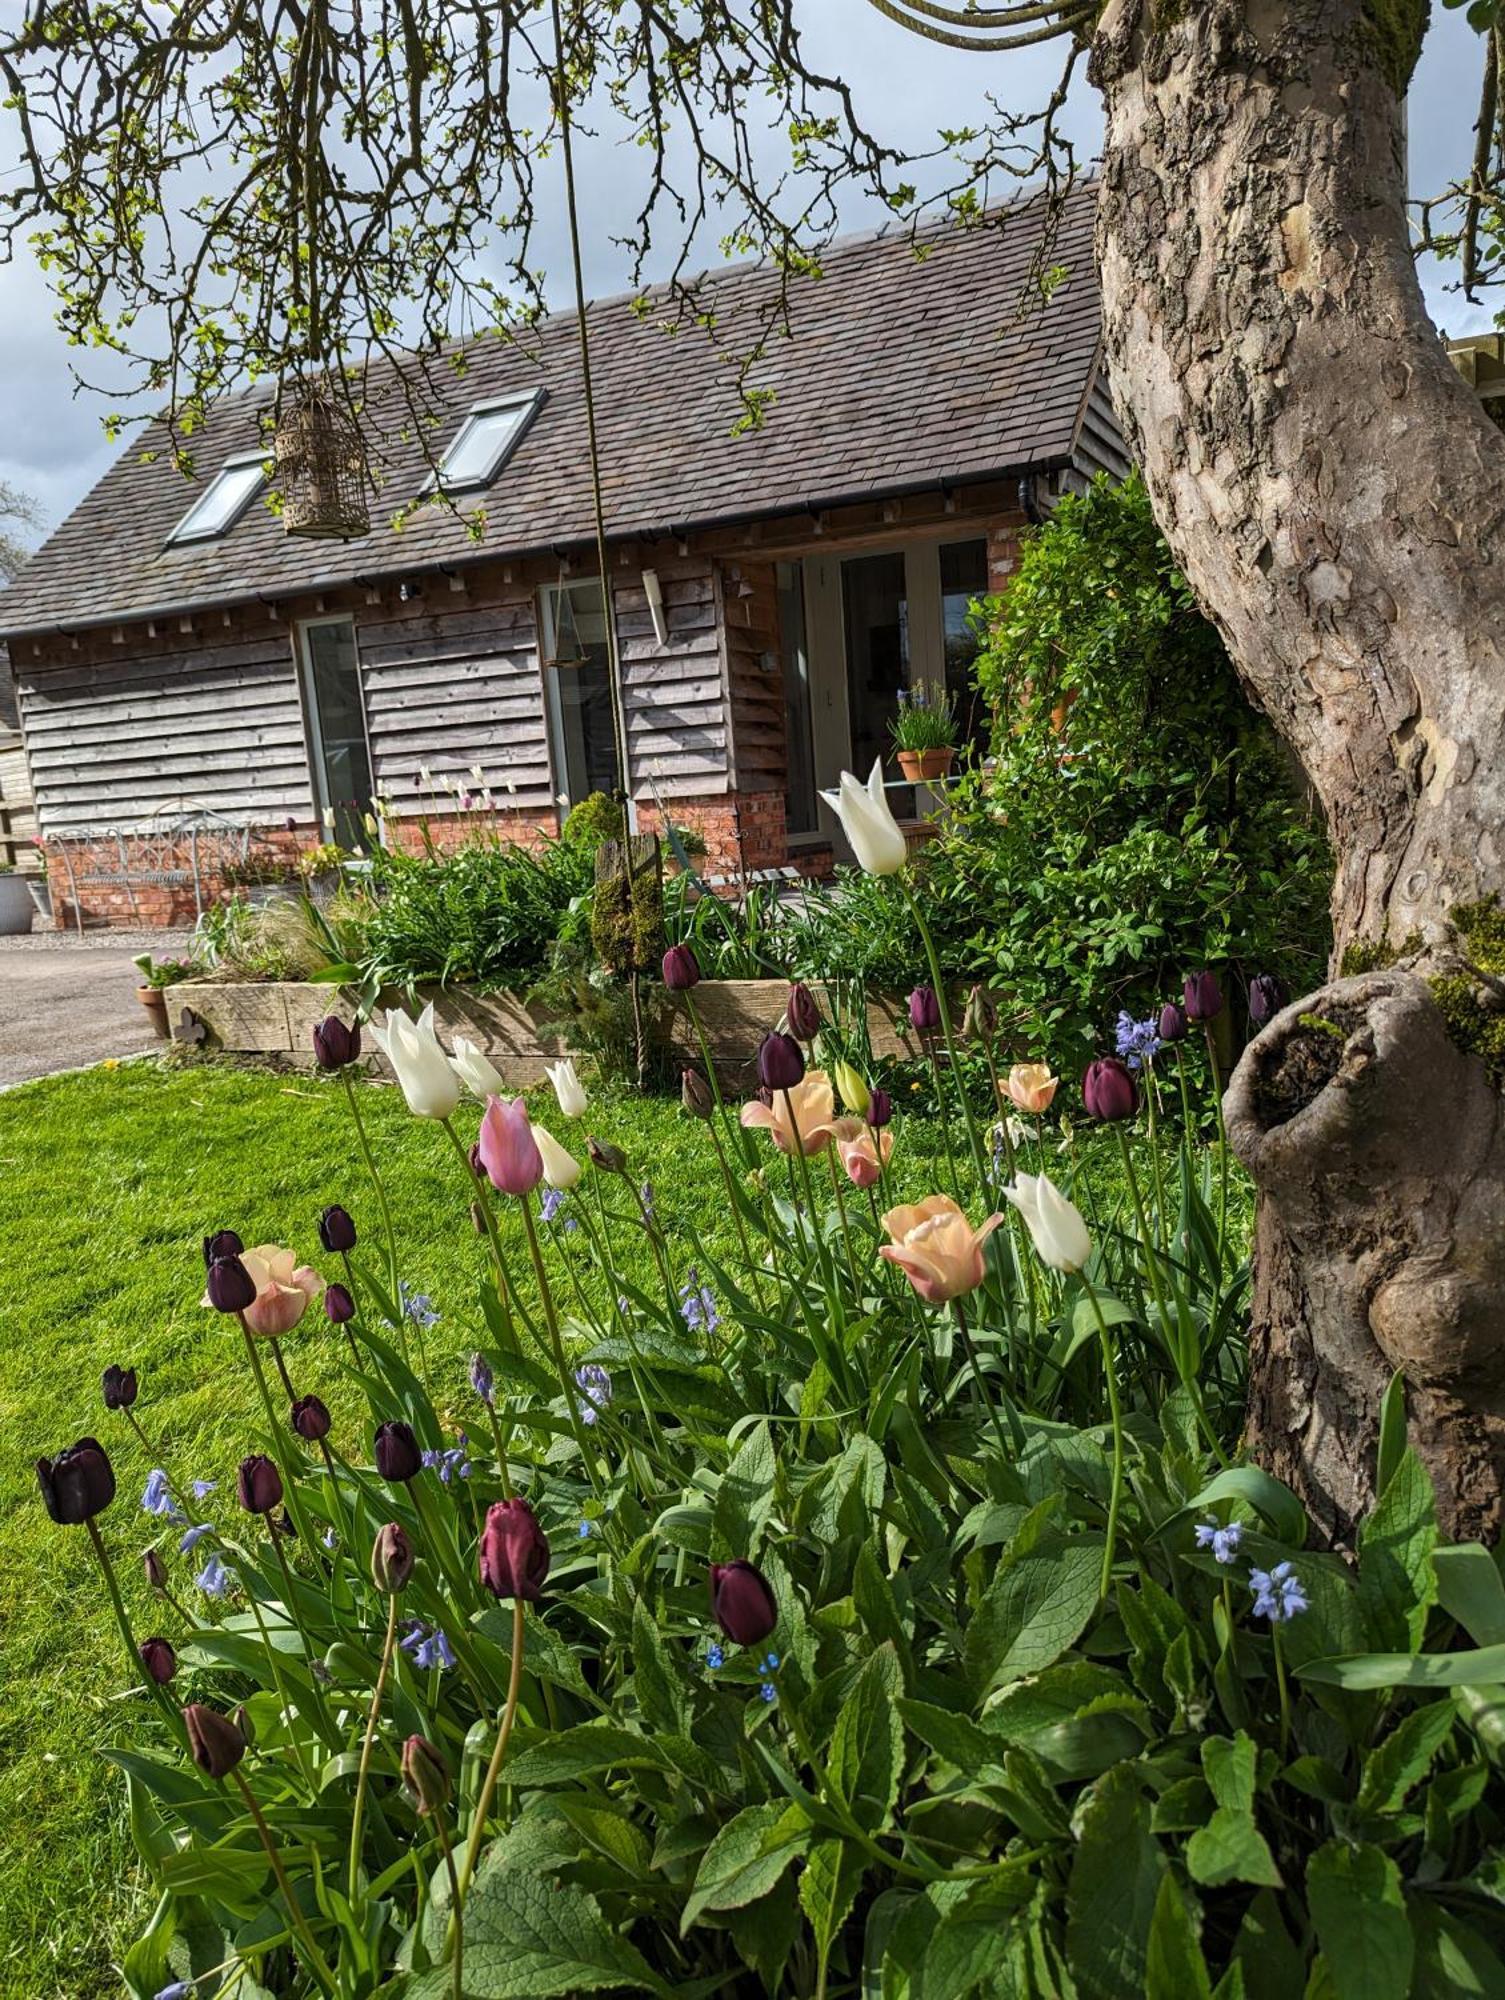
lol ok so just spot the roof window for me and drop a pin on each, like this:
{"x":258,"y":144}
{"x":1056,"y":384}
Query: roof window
{"x":484,"y":442}
{"x":224,"y":500}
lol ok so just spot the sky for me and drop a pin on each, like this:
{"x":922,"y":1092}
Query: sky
{"x":53,"y":445}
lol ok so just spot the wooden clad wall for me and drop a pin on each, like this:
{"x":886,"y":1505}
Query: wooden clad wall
{"x":755,"y":681}
{"x":674,"y":695}
{"x":118,"y":733}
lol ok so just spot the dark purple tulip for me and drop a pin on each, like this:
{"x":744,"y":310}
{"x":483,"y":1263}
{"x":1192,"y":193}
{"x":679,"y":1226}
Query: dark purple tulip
{"x":231,"y":1287}
{"x":1171,"y":1026}
{"x":924,"y":1010}
{"x":335,"y":1044}
{"x":1108,"y":1090}
{"x":119,"y":1385}
{"x":336,"y":1230}
{"x":223,"y":1243}
{"x":159,"y":1659}
{"x":802,"y":1013}
{"x":605,"y":1157}
{"x":477,"y":1164}
{"x":217,"y":1746}
{"x":681,"y":968}
{"x":155,"y":1570}
{"x":258,"y":1484}
{"x":1203,"y":996}
{"x":781,"y":1062}
{"x":1266,"y":998}
{"x":514,"y":1552}
{"x":391,"y":1558}
{"x":338,"y":1305}
{"x":742,"y":1602}
{"x":78,"y":1484}
{"x":880,"y":1106}
{"x":695,"y":1094}
{"x":425,"y":1776}
{"x":310,"y":1419}
{"x":397,"y":1455}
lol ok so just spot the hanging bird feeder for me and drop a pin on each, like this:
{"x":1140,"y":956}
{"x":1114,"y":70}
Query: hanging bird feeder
{"x":321,"y":468}
{"x":565,"y":649}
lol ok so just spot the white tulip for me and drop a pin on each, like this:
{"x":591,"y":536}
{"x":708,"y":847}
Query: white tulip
{"x":568,"y":1088}
{"x":560,"y":1169}
{"x":871,"y":829}
{"x":475,"y":1071}
{"x":423,"y":1069}
{"x":1059,"y":1234}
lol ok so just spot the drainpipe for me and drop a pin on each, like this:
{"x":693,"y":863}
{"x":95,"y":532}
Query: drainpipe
{"x":1033,"y":512}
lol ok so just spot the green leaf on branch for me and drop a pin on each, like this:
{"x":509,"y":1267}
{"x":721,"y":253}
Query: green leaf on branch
{"x":1397,"y":1584}
{"x":829,"y":1883}
{"x":1174,"y":1966}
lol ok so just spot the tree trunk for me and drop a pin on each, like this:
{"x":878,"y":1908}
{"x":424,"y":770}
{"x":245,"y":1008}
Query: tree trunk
{"x":1336,"y":497}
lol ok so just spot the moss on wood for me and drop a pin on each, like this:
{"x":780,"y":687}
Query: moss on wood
{"x":1472,"y":1024}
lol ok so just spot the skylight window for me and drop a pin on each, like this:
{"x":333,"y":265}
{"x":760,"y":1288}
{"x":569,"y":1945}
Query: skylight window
{"x":226,"y":498}
{"x":484,"y":442}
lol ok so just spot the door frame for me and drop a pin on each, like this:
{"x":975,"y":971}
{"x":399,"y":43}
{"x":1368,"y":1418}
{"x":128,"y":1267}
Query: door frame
{"x":312,"y":727}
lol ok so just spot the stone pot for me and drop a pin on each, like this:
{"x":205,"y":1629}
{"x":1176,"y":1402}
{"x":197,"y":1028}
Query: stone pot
{"x":16,"y":906}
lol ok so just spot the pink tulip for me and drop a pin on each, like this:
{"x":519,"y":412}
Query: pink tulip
{"x":936,"y":1247}
{"x":284,"y":1290}
{"x":509,"y":1152}
{"x":863,"y":1152}
{"x":814,"y":1109}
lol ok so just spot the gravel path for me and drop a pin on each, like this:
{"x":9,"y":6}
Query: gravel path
{"x":67,"y":1001}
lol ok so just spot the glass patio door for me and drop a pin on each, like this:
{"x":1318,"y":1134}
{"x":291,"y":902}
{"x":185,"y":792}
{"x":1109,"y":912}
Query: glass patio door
{"x":875,"y":617}
{"x":339,"y":754}
{"x":577,"y":689}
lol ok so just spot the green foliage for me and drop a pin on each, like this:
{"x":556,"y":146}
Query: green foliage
{"x":627,"y":909}
{"x":594,"y":820}
{"x":1472,"y":1012}
{"x":924,"y":719}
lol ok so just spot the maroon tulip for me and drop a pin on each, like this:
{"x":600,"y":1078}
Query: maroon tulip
{"x":425,"y":1776}
{"x":214,"y":1741}
{"x":1203,"y":996}
{"x":1171,"y":1026}
{"x":742,"y":1602}
{"x":1108,"y":1090}
{"x":223,"y":1243}
{"x":681,"y":968}
{"x":336,"y":1229}
{"x":880,"y":1106}
{"x":397,"y":1455}
{"x":514,"y":1552}
{"x":78,"y":1484}
{"x":781,"y":1062}
{"x":154,"y":1570}
{"x":391,"y":1559}
{"x":1266,"y":998}
{"x":231,"y":1287}
{"x":258,"y":1484}
{"x":310,"y":1419}
{"x":802,"y":1013}
{"x":335,"y":1044}
{"x":924,"y":1010}
{"x":338,"y":1305}
{"x":119,"y":1385}
{"x":159,"y":1659}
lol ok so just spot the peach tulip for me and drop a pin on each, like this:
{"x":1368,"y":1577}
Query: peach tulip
{"x":862,"y":1150}
{"x":936,"y":1247}
{"x":814,"y":1114}
{"x":284,"y":1290}
{"x":1031,"y":1086}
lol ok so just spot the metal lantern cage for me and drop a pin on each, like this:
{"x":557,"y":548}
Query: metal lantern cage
{"x":321,"y":469}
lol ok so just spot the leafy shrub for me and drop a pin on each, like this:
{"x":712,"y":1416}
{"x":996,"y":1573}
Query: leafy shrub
{"x":593,"y":820}
{"x":486,"y":914}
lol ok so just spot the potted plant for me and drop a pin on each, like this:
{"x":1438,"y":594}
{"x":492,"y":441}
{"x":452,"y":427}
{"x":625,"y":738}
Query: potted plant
{"x":157,"y":974}
{"x":15,"y":902}
{"x":262,"y":879}
{"x":923,"y":731}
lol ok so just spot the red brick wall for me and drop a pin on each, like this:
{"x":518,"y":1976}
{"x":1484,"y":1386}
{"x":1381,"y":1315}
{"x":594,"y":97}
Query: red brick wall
{"x":147,"y":905}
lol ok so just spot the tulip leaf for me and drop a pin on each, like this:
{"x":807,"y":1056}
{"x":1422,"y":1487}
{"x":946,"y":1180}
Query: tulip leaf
{"x":1364,"y":1671}
{"x":1282,"y":1513}
{"x":1469,"y":1588}
{"x":1084,"y":1320}
{"x":747,"y":1858}
{"x":527,"y":1938}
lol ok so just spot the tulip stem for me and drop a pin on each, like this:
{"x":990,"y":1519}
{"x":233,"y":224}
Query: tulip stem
{"x":1115,"y":1490}
{"x":327,"y":1726}
{"x":457,"y":1990}
{"x":315,"y":1958}
{"x":846,"y":1227}
{"x":494,"y":1768}
{"x":353,"y":1289}
{"x":287,"y":1380}
{"x":284,"y":1461}
{"x":381,"y":1193}
{"x":754,"y":1271}
{"x":551,"y":1320}
{"x":506,"y":1288}
{"x":978,"y":1377}
{"x":501,"y":1449}
{"x":132,"y":1651}
{"x":372,"y":1716}
{"x":946,"y":1029}
{"x":1217,"y":1104}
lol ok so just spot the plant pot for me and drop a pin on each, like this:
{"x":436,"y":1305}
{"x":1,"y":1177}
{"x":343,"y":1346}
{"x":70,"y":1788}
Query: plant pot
{"x":16,"y":906}
{"x":154,"y":1000}
{"x":919,"y":766}
{"x":41,"y":896}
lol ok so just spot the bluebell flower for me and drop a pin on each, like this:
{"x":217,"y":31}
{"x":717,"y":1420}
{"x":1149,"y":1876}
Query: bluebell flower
{"x":193,"y":1536}
{"x":1222,"y":1541}
{"x":428,"y":1646}
{"x":202,"y":1488}
{"x":481,"y":1378}
{"x":1278,"y":1594}
{"x":585,"y":1531}
{"x":214,"y":1579}
{"x":449,"y":1463}
{"x":550,"y":1203}
{"x":714,"y":1656}
{"x":595,"y":1382}
{"x":768,"y":1691}
{"x":416,"y":1306}
{"x":180,"y":1989}
{"x":697,"y":1304}
{"x":1138,"y":1042}
{"x":645,"y":1195}
{"x":157,"y":1497}
{"x":331,"y":1539}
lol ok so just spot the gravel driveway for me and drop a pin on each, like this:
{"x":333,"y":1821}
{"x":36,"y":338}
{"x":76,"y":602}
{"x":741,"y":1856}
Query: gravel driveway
{"x":67,"y":1001}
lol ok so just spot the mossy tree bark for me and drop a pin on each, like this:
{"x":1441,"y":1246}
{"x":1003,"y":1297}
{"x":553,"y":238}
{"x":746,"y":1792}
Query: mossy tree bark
{"x":1336,"y":497}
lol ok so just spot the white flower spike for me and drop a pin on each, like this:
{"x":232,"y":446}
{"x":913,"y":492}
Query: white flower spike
{"x":871,"y":829}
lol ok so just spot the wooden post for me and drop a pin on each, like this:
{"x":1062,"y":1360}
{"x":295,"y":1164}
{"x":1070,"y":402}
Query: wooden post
{"x":627,"y":920}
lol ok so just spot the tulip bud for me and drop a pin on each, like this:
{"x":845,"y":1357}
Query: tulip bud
{"x":397,"y":1455}
{"x":159,"y":1659}
{"x":1171,"y":1027}
{"x":335,"y":1044}
{"x":477,"y":1164}
{"x":980,"y":1022}
{"x":880,"y":1108}
{"x":514,"y":1555}
{"x":391,"y":1559}
{"x":258,"y":1484}
{"x":608,"y":1158}
{"x":119,"y":1386}
{"x":245,"y":1722}
{"x":155,"y":1570}
{"x":338,"y":1305}
{"x":681,"y":968}
{"x":478,"y":1218}
{"x":695,"y":1094}
{"x":310,"y":1419}
{"x":1108,"y":1090}
{"x":802,"y":1013}
{"x":743,"y":1602}
{"x":223,"y":1243}
{"x":215,"y":1743}
{"x":924,"y":1010}
{"x":851,"y":1088}
{"x":1266,"y":998}
{"x":425,"y":1775}
{"x":231,"y":1287}
{"x":1203,"y":996}
{"x":336,"y":1230}
{"x":78,"y":1484}
{"x":781,"y":1062}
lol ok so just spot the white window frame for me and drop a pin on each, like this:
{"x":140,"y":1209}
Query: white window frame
{"x":313,"y":729}
{"x":183,"y":533}
{"x":528,"y":401}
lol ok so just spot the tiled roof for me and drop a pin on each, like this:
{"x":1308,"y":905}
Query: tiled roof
{"x":901,"y":371}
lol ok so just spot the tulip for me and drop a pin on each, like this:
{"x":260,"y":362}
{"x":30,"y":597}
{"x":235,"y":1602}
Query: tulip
{"x":569,"y":1091}
{"x":781,"y":1062}
{"x":258,"y":1484}
{"x":119,"y":1385}
{"x":1056,"y":1228}
{"x":338,"y":1305}
{"x":217,"y":1746}
{"x":223,"y":1243}
{"x":872,"y":832}
{"x":742,"y":1602}
{"x":154,"y":1570}
{"x":560,"y":1169}
{"x":159,"y":1659}
{"x":924,"y":1010}
{"x":1171,"y":1027}
{"x":335,"y":1044}
{"x":862,"y":1150}
{"x":391,"y":1559}
{"x":1203,"y":996}
{"x":800,"y":1119}
{"x":425,"y":1776}
{"x":230,"y":1288}
{"x":310,"y":1419}
{"x":980,"y":1021}
{"x":605,"y":1157}
{"x":1108,"y":1090}
{"x":475,"y":1071}
{"x":78,"y":1484}
{"x":514,"y":1554}
{"x":397,"y":1455}
{"x":337,"y":1230}
{"x":681,"y":968}
{"x":936,"y":1247}
{"x":1266,"y":998}
{"x":852,"y":1089}
{"x":423,"y":1070}
{"x":880,"y":1106}
{"x":1031,"y":1087}
{"x":695,"y":1094}
{"x":509,"y":1150}
{"x":802,"y":1013}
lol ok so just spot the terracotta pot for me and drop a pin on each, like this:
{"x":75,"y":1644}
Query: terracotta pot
{"x":920,"y":765}
{"x":154,"y":1000}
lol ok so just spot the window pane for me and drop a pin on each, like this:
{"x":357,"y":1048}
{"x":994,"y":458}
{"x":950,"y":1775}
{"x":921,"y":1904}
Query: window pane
{"x":964,"y":575}
{"x":876,"y":610}
{"x":342,"y":764}
{"x":799,"y":806}
{"x":214,"y":511}
{"x":483,"y":440}
{"x":579,"y":696}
